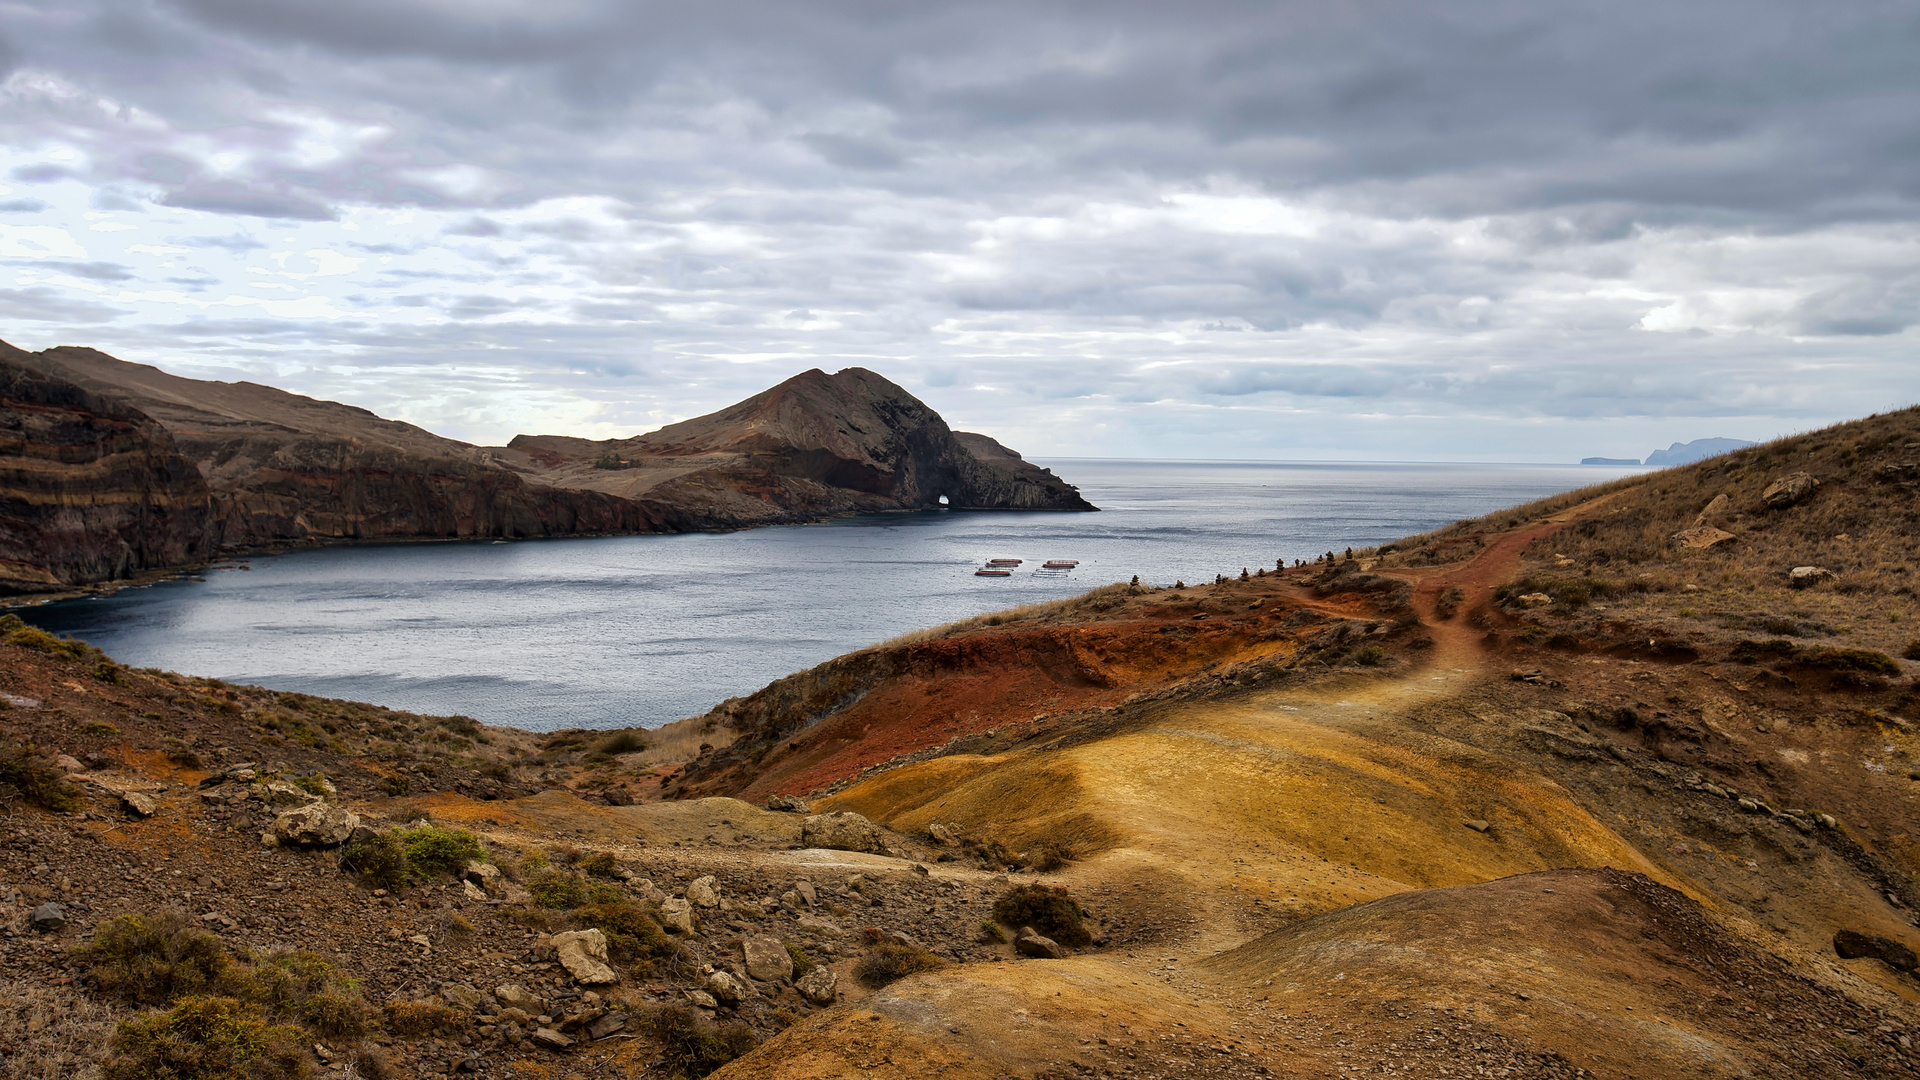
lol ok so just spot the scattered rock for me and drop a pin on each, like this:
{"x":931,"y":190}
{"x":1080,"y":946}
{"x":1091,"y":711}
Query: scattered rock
{"x":806,"y":891}
{"x":139,"y":804}
{"x":461,"y":996}
{"x":1852,"y":944}
{"x":1536,"y":599}
{"x":1801,"y":577}
{"x":1477,"y":825}
{"x":472,"y":891}
{"x":704,"y":892}
{"x":767,"y":959}
{"x":1029,"y":943}
{"x":724,"y":986}
{"x":48,"y":917}
{"x":607,"y":1025}
{"x":1789,"y":489}
{"x":315,"y":825}
{"x":551,"y":1039}
{"x":819,"y":986}
{"x":842,"y":831}
{"x":515,"y":996}
{"x":68,"y":763}
{"x":646,"y":890}
{"x":1719,"y":508}
{"x":938,"y":834}
{"x":484,"y":874}
{"x":676,"y":915}
{"x":584,"y":954}
{"x":820,"y":925}
{"x":786,"y":804}
{"x":1701,"y":537}
{"x":702,"y":999}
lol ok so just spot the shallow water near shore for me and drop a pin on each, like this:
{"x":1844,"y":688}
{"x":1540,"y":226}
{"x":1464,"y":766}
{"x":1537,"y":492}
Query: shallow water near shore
{"x":613,"y":631}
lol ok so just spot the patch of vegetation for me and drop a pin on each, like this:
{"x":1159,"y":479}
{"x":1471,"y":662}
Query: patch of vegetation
{"x":1051,"y":911}
{"x":392,"y":859}
{"x":414,"y":1019}
{"x":600,"y":864}
{"x":1756,"y":652}
{"x":889,"y":961}
{"x":690,"y":1046}
{"x":32,"y":637}
{"x":1912,"y":651}
{"x":631,"y":932}
{"x":802,"y":963}
{"x":395,"y":785}
{"x":109,"y":672}
{"x":1864,"y":661}
{"x":623,"y":742}
{"x":1052,"y":856}
{"x":1370,"y":656}
{"x":315,"y":784}
{"x":38,"y":780}
{"x":303,"y":987}
{"x":155,"y":959}
{"x":215,"y":1038}
{"x":558,"y":889}
{"x":97,"y":727}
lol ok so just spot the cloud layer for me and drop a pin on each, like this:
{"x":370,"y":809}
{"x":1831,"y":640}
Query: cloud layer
{"x":1205,"y":230}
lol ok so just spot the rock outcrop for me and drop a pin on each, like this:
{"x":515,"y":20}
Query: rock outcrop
{"x":91,"y":489}
{"x":108,"y":468}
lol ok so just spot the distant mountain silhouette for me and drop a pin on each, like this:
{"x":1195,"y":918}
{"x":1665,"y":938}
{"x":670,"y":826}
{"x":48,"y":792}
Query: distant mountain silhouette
{"x":1698,"y":450}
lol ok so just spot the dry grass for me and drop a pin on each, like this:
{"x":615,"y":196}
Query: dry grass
{"x":51,"y":1032}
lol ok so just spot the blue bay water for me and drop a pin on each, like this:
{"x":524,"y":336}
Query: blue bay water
{"x":607,"y":632}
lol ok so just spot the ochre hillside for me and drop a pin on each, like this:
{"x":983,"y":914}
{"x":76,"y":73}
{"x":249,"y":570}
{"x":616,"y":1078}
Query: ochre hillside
{"x":1575,"y":789}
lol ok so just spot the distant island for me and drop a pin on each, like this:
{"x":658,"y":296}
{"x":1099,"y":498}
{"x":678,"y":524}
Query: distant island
{"x":109,"y":469}
{"x":1678,"y":454}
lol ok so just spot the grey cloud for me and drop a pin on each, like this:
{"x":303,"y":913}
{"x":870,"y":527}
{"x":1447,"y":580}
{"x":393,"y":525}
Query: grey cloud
{"x":21,"y":206}
{"x":41,"y":174}
{"x":854,"y":153}
{"x":42,"y":304}
{"x":476,"y":226}
{"x":227,"y":197}
{"x":236,"y":243}
{"x":93,"y":271}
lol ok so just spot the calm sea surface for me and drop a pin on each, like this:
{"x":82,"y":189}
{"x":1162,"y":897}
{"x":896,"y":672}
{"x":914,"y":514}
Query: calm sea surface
{"x":647,"y":629}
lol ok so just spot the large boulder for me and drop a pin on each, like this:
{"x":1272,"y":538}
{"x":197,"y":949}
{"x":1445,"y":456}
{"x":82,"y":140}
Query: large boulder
{"x":1805,"y":577}
{"x":842,"y":831}
{"x":315,"y":825}
{"x":1789,"y":489}
{"x":584,"y":954}
{"x":767,"y":959}
{"x":515,"y":996}
{"x":819,"y":986}
{"x":1029,"y":943}
{"x":786,"y":804}
{"x":1720,"y":507}
{"x":676,"y":915}
{"x":704,"y":892}
{"x":1701,"y":537}
{"x":728,"y":988}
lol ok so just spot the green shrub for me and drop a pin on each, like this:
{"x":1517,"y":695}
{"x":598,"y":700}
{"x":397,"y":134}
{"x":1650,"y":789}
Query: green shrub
{"x":600,"y":864}
{"x":887,"y":961}
{"x":623,"y":742}
{"x":802,"y":963}
{"x":1052,"y":912}
{"x":215,"y":1038}
{"x":303,"y":986}
{"x":38,"y":780}
{"x":1865,"y":661}
{"x":381,"y":861}
{"x":1913,"y":650}
{"x":315,"y":785}
{"x":414,"y":1019}
{"x":1051,"y":856}
{"x":97,"y":727}
{"x":692,"y":1047}
{"x":155,"y":959}
{"x":11,"y":622}
{"x":109,"y":672}
{"x":557,"y":889}
{"x":434,"y":851}
{"x":395,"y":785}
{"x":32,"y":637}
{"x":1370,"y":655}
{"x":631,"y":932}
{"x":1755,"y":652}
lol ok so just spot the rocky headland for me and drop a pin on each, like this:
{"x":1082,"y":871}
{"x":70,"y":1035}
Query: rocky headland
{"x":233,"y":466}
{"x":1562,"y":791}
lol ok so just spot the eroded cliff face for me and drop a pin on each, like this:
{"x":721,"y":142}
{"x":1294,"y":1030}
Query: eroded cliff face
{"x":90,"y":489}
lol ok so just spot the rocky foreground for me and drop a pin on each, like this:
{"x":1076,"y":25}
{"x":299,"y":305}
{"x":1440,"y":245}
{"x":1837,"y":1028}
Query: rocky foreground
{"x":1572,"y":790}
{"x":110,"y":469}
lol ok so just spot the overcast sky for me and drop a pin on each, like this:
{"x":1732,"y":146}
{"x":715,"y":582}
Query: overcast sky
{"x":1469,"y":230}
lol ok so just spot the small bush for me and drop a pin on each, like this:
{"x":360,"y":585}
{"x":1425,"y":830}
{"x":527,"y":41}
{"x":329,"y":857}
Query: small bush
{"x":97,"y":727}
{"x":215,"y":1038}
{"x":1865,"y":661}
{"x":381,"y":862}
{"x":315,"y":785}
{"x":692,"y":1047}
{"x":155,"y":960}
{"x":434,"y":851}
{"x":302,"y":986}
{"x":32,"y":637}
{"x":1755,"y":652}
{"x":888,"y":961}
{"x":109,"y":672}
{"x":38,"y":780}
{"x":414,"y":1019}
{"x":631,"y":932}
{"x":623,"y":742}
{"x":1052,"y":856}
{"x":990,"y":932}
{"x":1370,"y":655}
{"x":600,"y":864}
{"x":1052,"y":912}
{"x":802,"y":963}
{"x":395,"y":785}
{"x":557,"y":889}
{"x":1912,"y":652}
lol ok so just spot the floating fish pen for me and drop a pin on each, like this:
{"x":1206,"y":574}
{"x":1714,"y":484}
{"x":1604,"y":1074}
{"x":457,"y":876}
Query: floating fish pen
{"x":991,"y":572}
{"x":1005,"y":562}
{"x":1059,"y":564}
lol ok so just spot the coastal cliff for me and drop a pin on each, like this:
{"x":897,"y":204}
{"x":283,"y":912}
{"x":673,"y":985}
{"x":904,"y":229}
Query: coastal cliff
{"x":267,"y":466}
{"x":90,"y":488}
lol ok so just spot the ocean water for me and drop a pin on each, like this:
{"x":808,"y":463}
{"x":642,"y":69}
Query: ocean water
{"x":607,"y":632}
